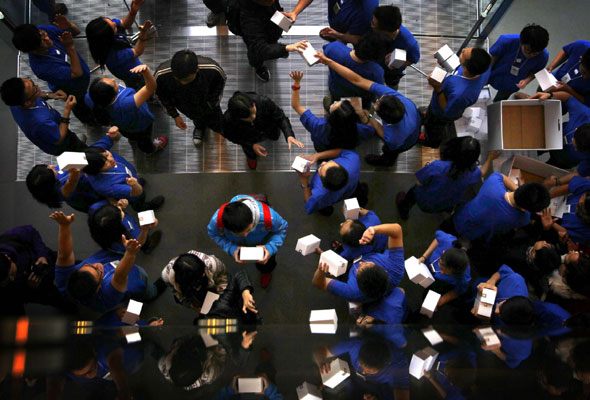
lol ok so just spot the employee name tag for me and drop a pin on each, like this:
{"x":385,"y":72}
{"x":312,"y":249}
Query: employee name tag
{"x":514,"y":70}
{"x":336,"y":7}
{"x":566,"y":78}
{"x":128,"y":171}
{"x":357,"y":259}
{"x":568,"y":209}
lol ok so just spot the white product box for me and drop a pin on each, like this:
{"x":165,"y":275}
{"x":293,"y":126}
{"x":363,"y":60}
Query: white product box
{"x":71,"y":160}
{"x":351,"y":208}
{"x":525,"y":125}
{"x":432,"y":336}
{"x":438,"y":74}
{"x":133,"y":337}
{"x":309,"y":55}
{"x":484,"y":95}
{"x":418,"y":272}
{"x":250,"y":385}
{"x":339,"y":371}
{"x":451,"y":63}
{"x":429,"y":304}
{"x":301,"y":164}
{"x":131,"y":315}
{"x":432,"y":356}
{"x":474,"y":124}
{"x":461,"y":127}
{"x":545,"y":79}
{"x":444,"y":53}
{"x":251,"y":253}
{"x":474,"y":112}
{"x":558,"y":206}
{"x":397,"y":58}
{"x":484,"y":302}
{"x":282,"y":21}
{"x":336,"y":264}
{"x":487,"y":336}
{"x":208,"y":302}
{"x":323,"y":321}
{"x":208,"y":340}
{"x":531,"y":170}
{"x":422,"y":360}
{"x":307,"y":244}
{"x":146,"y":217}
{"x":307,"y":391}
{"x":483,"y":130}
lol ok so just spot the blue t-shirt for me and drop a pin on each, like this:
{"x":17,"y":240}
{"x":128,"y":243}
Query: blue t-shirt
{"x":516,"y":350}
{"x":120,"y":61}
{"x":125,"y":114}
{"x":571,"y":67}
{"x":322,"y":197}
{"x":40,"y":125}
{"x":54,"y":67}
{"x":405,"y":133}
{"x":82,"y":197}
{"x":510,"y":285}
{"x":460,"y":93}
{"x":579,"y":114}
{"x":445,"y":242}
{"x":132,"y":229}
{"x":351,"y":16}
{"x":379,"y":242}
{"x":508,"y":53}
{"x":405,"y":41}
{"x":549,"y":314}
{"x":391,"y":260}
{"x":437,"y":192}
{"x":319,"y":128}
{"x":341,"y":87}
{"x":489,"y":213}
{"x":393,"y":309}
{"x":577,"y":230}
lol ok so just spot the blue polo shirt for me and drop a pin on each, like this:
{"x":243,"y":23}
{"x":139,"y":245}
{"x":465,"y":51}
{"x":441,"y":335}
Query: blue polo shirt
{"x":405,"y":133}
{"x":437,"y":192}
{"x":445,"y":242}
{"x":379,"y":242}
{"x":391,"y":260}
{"x":510,"y":285}
{"x":120,"y":61}
{"x":508,"y":53}
{"x":549,"y":314}
{"x":322,"y":197}
{"x":40,"y":124}
{"x":54,"y":67}
{"x":393,"y":309}
{"x":579,"y":114}
{"x":571,"y":67}
{"x":405,"y":41}
{"x":125,"y":114}
{"x":577,"y":230}
{"x":489,"y":212}
{"x":132,"y":229}
{"x":83,"y":196}
{"x":351,"y":16}
{"x":341,"y":87}
{"x":319,"y":128}
{"x":460,"y":92}
{"x":516,"y":350}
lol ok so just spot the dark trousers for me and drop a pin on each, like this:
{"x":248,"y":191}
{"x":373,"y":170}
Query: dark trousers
{"x":143,"y":138}
{"x":212,"y":119}
{"x":139,"y":204}
{"x":438,"y":129}
{"x":268,"y":135}
{"x":216,"y":6}
{"x":72,"y":143}
{"x":268,"y":267}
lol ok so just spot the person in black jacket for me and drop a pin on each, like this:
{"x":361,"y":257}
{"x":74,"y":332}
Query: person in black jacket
{"x":251,"y":118}
{"x":194,"y":86}
{"x":261,"y":35}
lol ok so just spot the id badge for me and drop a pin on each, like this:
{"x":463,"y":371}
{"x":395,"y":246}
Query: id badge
{"x":357,"y":259}
{"x":566,"y":78}
{"x":514,"y":70}
{"x":336,"y":8}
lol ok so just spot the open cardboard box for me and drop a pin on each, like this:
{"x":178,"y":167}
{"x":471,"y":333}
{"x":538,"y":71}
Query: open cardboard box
{"x":525,"y":125}
{"x":531,"y":170}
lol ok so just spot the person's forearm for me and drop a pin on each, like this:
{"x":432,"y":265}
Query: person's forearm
{"x":117,"y":370}
{"x":143,"y":235}
{"x":486,"y":167}
{"x":558,"y":60}
{"x":301,"y":5}
{"x":391,"y":230}
{"x":509,"y":183}
{"x":571,"y":91}
{"x":122,"y":271}
{"x":140,"y":45}
{"x":377,"y":126}
{"x":441,"y":98}
{"x":494,"y":279}
{"x":296,"y":101}
{"x":150,"y":81}
{"x":65,"y":246}
{"x":328,"y":154}
{"x":307,"y":189}
{"x":286,"y":128}
{"x":74,"y":29}
{"x":64,"y":126}
{"x":430,"y":249}
{"x":441,"y":391}
{"x":75,"y":65}
{"x":128,"y":20}
{"x":349,"y":38}
{"x":447,"y":297}
{"x":70,"y":185}
{"x":562,"y":190}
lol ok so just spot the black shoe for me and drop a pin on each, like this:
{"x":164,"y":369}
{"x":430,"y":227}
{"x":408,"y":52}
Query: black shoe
{"x":154,"y":203}
{"x":153,"y":241}
{"x":380,"y":161}
{"x":198,"y":135}
{"x":404,"y":212}
{"x":263,"y":73}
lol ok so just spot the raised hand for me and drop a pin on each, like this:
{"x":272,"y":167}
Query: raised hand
{"x":61,"y":218}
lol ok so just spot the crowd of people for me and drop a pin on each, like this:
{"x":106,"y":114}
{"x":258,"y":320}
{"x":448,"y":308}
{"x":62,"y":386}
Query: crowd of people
{"x":502,"y":238}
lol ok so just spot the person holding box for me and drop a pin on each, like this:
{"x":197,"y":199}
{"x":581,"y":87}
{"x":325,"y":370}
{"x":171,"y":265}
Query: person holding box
{"x":45,"y":127}
{"x":516,"y":59}
{"x":573,"y":73}
{"x":373,"y":277}
{"x":400,"y":116}
{"x":102,"y":281}
{"x":244,"y":222}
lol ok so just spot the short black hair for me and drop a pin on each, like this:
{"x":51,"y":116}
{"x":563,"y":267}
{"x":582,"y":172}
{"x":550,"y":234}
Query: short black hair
{"x":478,"y":62}
{"x":532,"y":196}
{"x":96,"y":158}
{"x":455,"y":260}
{"x":534,"y":36}
{"x":4,"y":267}
{"x":26,"y":38}
{"x":239,"y":105}
{"x":186,"y":365}
{"x":547,"y":259}
{"x":82,"y":285}
{"x":336,"y":178}
{"x":582,"y":137}
{"x":375,"y":353}
{"x":236,"y":217}
{"x":391,"y":109}
{"x":106,"y":226}
{"x":517,"y":310}
{"x":184,"y":63}
{"x":189,"y":275}
{"x":577,"y":275}
{"x":372,"y":46}
{"x":389,"y":18}
{"x":41,"y":182}
{"x":354,"y":234}
{"x":13,"y":92}
{"x":373,"y":281}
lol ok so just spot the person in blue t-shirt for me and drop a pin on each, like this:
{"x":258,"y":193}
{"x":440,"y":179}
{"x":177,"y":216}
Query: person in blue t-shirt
{"x":334,"y":180}
{"x":401,"y":119}
{"x":498,"y":207}
{"x":107,"y":222}
{"x":102,"y":281}
{"x":109,"y":46}
{"x":342,"y":126}
{"x":517,"y":58}
{"x":440,"y":184}
{"x":41,"y":124}
{"x":375,"y":276}
{"x":573,"y":73}
{"x":53,"y":58}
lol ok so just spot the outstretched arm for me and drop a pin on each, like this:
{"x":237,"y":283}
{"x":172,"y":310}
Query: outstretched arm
{"x":346,"y":73}
{"x":65,"y":245}
{"x":121,"y":275}
{"x":130,"y":17}
{"x":394,"y":231}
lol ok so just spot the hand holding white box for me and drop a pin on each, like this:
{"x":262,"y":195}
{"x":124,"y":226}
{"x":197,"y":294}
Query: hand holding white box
{"x":323,"y":321}
{"x":250,"y":385}
{"x":301,"y":164}
{"x":546,"y":79}
{"x":418,"y":272}
{"x":336,"y":264}
{"x":309,"y":55}
{"x":282,"y":21}
{"x":146,"y":217}
{"x":210,"y":298}
{"x":422,"y":360}
{"x":487,"y":336}
{"x":438,"y":74}
{"x":397,"y":58}
{"x":484,"y":302}
{"x":339,"y":371}
{"x":251,"y":253}
{"x":430,"y":303}
{"x":444,"y":53}
{"x":71,"y":160}
{"x":451,"y":63}
{"x":308,"y":244}
{"x":307,"y":391}
{"x":351,"y":208}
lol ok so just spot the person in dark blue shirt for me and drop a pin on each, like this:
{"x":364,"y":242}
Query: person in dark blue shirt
{"x":352,"y":231}
{"x":41,"y":124}
{"x":574,"y":70}
{"x":517,"y":58}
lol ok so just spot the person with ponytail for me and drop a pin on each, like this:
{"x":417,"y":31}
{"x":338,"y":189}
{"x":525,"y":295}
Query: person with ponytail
{"x":113,"y":104}
{"x":447,"y":257}
{"x":440,"y":184}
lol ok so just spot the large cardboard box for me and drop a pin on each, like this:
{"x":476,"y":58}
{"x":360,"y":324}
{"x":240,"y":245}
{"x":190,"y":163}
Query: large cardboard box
{"x":531,"y":170}
{"x":525,"y":125}
{"x":339,"y":371}
{"x":323,"y":321}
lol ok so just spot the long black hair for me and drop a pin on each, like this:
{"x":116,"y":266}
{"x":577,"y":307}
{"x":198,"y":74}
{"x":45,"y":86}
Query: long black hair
{"x":455,"y":259}
{"x":189,"y":274}
{"x":102,"y":39}
{"x":239,"y":105}
{"x":102,"y":94}
{"x":463,"y":153}
{"x":42,"y":184}
{"x":343,"y":132}
{"x":106,"y":226}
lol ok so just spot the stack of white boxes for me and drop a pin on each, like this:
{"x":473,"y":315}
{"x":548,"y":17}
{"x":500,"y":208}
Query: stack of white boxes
{"x":323,"y":321}
{"x":307,"y":391}
{"x":474,"y":121}
{"x":422,"y":360}
{"x":418,"y":272}
{"x":336,"y":264}
{"x":339,"y":371}
{"x":307,"y":244}
{"x":484,"y":302}
{"x":447,"y":59}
